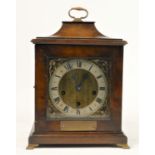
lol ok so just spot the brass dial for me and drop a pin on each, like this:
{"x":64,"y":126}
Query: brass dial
{"x":78,"y":88}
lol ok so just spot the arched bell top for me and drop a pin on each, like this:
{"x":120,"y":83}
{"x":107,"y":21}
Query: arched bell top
{"x":78,"y":29}
{"x":84,"y":32}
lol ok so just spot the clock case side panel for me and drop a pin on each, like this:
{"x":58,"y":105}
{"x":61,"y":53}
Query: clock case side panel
{"x":41,"y":82}
{"x":41,"y":95}
{"x":117,"y":81}
{"x":116,"y":89}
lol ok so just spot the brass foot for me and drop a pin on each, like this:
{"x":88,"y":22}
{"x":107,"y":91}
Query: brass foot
{"x":124,"y":146}
{"x":31,"y":146}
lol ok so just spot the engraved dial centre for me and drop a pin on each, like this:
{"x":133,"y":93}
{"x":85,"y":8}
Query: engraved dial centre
{"x":79,"y":86}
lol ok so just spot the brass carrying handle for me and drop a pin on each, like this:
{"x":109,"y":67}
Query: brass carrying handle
{"x":78,"y":9}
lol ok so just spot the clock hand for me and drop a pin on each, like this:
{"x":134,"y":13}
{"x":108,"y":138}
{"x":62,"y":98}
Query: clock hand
{"x":85,"y":77}
{"x":75,"y":80}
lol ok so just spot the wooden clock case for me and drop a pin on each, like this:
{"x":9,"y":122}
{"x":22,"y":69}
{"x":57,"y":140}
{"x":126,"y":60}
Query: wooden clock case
{"x":77,"y":39}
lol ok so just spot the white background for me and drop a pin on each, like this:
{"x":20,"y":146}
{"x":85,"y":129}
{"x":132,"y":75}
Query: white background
{"x":146,"y":82}
{"x":42,"y":18}
{"x":146,"y":74}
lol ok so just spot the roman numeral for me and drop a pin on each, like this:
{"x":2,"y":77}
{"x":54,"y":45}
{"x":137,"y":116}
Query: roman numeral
{"x":68,"y":66}
{"x":57,"y":100}
{"x":90,"y":67}
{"x":57,"y":76}
{"x":79,"y":63}
{"x":66,"y":108}
{"x":99,"y":76}
{"x":104,"y":108}
{"x":78,"y":112}
{"x":54,"y":88}
{"x":102,"y":88}
{"x":99,"y":100}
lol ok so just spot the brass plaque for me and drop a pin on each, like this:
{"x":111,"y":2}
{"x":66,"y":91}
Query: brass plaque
{"x":78,"y":125}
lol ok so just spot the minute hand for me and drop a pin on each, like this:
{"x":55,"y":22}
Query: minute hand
{"x":85,"y":76}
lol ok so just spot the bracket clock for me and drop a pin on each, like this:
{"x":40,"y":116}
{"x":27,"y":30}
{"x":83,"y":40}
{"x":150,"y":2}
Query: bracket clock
{"x":78,"y":87}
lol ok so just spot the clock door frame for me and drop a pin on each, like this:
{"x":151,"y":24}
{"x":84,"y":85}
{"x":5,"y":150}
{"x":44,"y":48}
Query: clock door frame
{"x":44,"y":51}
